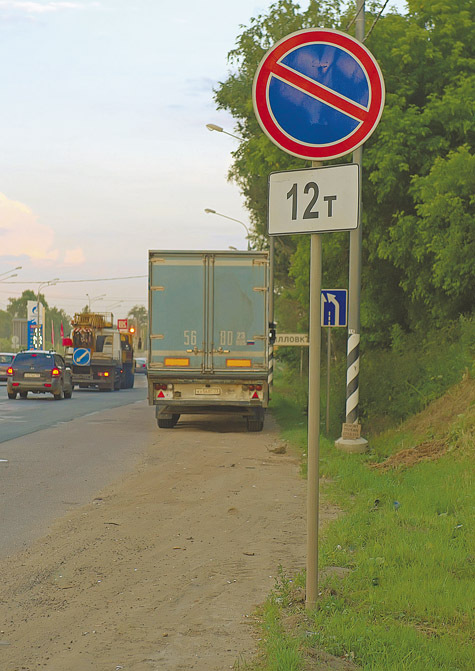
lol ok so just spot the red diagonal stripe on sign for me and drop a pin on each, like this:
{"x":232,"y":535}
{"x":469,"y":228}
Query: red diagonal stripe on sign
{"x":323,"y":94}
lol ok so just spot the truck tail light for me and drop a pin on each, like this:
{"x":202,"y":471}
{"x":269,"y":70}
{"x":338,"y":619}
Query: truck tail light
{"x":55,"y":372}
{"x":10,"y":371}
{"x":238,"y":363}
{"x":104,"y":373}
{"x":173,"y":361}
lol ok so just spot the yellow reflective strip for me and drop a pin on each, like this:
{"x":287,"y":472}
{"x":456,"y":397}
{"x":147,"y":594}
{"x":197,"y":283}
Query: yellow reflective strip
{"x":238,"y":363}
{"x":169,"y":361}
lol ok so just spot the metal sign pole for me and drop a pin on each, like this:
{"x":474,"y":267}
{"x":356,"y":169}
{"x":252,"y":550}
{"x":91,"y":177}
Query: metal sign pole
{"x":313,"y":447}
{"x":356,"y":239}
{"x":329,"y":341}
{"x":301,"y":203}
{"x":353,"y":344}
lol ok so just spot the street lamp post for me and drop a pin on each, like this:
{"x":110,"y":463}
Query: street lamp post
{"x":5,"y":272}
{"x":94,"y":298}
{"x":220,"y":129}
{"x":38,"y":320}
{"x":210,"y":211}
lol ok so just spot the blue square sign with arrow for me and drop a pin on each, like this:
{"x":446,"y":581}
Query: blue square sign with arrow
{"x":334,"y":307}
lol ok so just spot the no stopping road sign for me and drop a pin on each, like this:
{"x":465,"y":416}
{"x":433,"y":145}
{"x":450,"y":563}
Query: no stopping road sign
{"x":318,"y":94}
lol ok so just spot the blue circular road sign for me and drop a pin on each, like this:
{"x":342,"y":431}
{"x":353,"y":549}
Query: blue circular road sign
{"x":82,"y":356}
{"x":318,"y":94}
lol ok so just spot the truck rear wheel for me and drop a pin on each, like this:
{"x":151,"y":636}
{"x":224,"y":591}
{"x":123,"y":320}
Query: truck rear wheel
{"x":167,"y":423}
{"x":127,"y":379}
{"x":256,"y":423}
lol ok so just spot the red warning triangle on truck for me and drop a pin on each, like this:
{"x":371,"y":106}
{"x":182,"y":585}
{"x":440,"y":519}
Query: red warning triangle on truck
{"x":160,"y":394}
{"x":255,"y":395}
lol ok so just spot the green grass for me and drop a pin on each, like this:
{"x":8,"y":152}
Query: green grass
{"x":407,"y":601}
{"x":395,"y":383}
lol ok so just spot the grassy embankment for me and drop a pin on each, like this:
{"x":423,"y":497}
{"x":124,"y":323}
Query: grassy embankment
{"x":403,"y":595}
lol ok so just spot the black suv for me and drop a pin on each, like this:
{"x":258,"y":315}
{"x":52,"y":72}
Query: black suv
{"x":41,"y":373}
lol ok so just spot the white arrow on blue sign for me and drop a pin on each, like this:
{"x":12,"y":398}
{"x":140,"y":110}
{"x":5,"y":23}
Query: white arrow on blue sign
{"x":82,"y":356}
{"x":334,"y":307}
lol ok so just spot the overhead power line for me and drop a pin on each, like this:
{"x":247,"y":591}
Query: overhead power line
{"x":375,"y":21}
{"x":99,"y":279}
{"x":354,"y":18}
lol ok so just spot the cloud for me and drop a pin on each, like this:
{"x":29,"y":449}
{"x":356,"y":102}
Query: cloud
{"x":22,"y":236}
{"x":30,"y":7}
{"x":74,"y":257}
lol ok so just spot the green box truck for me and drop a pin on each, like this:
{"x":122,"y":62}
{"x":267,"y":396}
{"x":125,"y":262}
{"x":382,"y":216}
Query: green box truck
{"x":208,"y":334}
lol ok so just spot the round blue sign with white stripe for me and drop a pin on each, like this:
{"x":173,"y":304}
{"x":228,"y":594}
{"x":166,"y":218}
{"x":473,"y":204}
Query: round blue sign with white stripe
{"x":82,"y":356}
{"x":318,"y":94}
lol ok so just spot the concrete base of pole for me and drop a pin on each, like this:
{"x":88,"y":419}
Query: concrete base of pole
{"x":352,"y":446}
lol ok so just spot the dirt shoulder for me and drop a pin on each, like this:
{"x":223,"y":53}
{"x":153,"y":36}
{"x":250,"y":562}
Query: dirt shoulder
{"x":164,"y":569}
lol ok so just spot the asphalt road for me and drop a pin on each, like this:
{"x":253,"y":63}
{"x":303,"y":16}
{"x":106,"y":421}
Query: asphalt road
{"x":40,"y":411}
{"x":57,"y":455}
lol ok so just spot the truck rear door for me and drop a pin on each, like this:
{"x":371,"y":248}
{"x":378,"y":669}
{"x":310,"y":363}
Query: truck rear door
{"x":237,"y":312}
{"x":177,"y":314}
{"x":208,"y":311}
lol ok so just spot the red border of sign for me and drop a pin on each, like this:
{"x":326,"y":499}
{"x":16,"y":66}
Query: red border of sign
{"x":263,"y":110}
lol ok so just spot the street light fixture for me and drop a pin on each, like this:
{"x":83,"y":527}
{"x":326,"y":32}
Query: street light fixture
{"x":94,"y":298}
{"x":220,"y":129}
{"x":116,"y":304}
{"x":8,"y":277}
{"x":212,"y":126}
{"x":5,"y":272}
{"x":210,"y":211}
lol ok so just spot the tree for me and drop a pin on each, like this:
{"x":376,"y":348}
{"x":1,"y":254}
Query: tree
{"x":419,"y":214}
{"x":54,"y":317}
{"x":5,"y":324}
{"x":139,"y":314}
{"x":17,"y":307}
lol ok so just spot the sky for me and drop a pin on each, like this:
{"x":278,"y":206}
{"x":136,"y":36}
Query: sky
{"x":105,"y":152}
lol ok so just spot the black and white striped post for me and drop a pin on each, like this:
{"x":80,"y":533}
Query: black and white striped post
{"x":351,"y":440}
{"x":352,"y":378}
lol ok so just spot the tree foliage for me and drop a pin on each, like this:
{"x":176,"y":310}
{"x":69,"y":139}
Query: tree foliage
{"x":54,"y":317}
{"x":418,"y":166}
{"x":140,"y":314}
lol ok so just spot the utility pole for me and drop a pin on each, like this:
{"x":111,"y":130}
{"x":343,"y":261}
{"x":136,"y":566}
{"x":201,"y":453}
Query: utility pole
{"x":358,"y":444}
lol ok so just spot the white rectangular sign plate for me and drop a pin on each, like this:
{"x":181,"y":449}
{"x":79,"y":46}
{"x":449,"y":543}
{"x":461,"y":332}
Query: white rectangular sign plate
{"x":314,"y":200}
{"x":294,"y":339}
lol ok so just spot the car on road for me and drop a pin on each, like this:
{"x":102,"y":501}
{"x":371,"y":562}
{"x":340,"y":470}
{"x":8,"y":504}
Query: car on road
{"x":39,"y":372}
{"x":141,"y":365}
{"x":6,"y":360}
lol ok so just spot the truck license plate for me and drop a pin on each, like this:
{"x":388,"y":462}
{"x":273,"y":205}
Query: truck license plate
{"x":204,"y":391}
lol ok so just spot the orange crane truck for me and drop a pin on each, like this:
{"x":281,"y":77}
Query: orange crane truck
{"x":101,"y":356}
